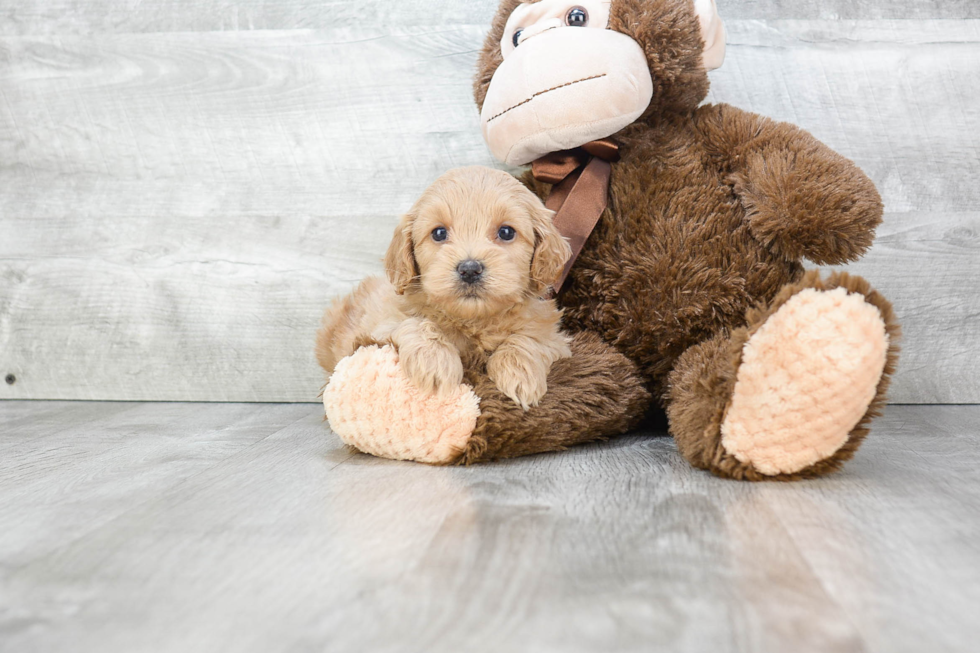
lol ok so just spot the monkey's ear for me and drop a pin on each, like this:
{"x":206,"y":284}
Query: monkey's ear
{"x":400,"y":263}
{"x":490,"y":55}
{"x":551,"y":250}
{"x":713,"y":33}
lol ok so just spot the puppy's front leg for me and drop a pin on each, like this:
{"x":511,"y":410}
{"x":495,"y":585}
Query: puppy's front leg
{"x":519,"y":367}
{"x":429,"y":360}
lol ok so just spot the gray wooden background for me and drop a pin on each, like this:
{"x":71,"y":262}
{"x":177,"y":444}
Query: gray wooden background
{"x":184,"y":184}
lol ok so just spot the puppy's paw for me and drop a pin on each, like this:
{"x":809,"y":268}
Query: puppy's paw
{"x":432,"y":368}
{"x":522,"y":380}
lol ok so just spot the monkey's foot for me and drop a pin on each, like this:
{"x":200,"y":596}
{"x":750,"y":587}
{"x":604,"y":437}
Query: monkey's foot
{"x":373,"y":407}
{"x":807,"y":377}
{"x":791,"y":394}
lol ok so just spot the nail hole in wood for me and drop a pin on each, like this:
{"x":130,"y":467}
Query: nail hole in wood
{"x":10,"y":379}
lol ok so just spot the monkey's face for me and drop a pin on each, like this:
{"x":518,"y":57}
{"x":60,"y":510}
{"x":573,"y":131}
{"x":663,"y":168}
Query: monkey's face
{"x":557,"y":74}
{"x":565,"y":80}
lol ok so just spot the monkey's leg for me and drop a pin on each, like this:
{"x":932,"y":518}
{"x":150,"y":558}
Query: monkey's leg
{"x":373,"y":407}
{"x":792,"y":394}
{"x":594,"y":394}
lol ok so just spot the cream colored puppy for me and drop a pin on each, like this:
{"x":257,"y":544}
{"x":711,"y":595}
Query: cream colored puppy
{"x":467,"y":269}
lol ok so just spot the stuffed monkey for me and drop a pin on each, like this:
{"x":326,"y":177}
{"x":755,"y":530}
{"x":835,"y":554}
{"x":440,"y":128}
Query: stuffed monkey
{"x":687,"y":291}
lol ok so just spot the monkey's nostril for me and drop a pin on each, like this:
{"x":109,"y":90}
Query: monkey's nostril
{"x":470,"y":270}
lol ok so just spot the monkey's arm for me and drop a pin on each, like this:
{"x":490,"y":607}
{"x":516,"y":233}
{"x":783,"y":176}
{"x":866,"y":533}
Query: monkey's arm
{"x":802,"y":199}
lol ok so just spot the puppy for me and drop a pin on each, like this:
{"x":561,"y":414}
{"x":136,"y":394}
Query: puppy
{"x":467,"y":270}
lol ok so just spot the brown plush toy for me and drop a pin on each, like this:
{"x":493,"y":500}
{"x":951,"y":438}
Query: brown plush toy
{"x":688,"y":293}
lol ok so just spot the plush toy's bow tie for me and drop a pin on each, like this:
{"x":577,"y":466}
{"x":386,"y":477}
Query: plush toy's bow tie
{"x":580,"y":191}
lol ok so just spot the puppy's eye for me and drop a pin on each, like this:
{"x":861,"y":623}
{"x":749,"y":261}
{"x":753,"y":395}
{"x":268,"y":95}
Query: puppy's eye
{"x":506,"y":233}
{"x":577,"y":17}
{"x":517,"y":37}
{"x":440,"y":234}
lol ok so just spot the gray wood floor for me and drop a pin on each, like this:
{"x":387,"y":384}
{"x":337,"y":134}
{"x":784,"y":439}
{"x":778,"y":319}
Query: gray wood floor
{"x":231,"y":527}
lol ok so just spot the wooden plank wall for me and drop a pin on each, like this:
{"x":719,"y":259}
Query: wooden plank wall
{"x":185,"y":184}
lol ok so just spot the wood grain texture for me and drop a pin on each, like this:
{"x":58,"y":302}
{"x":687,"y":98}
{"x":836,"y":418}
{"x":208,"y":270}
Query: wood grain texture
{"x":177,"y":208}
{"x":125,"y":458}
{"x":928,"y":265}
{"x":251,"y":528}
{"x":63,"y":17}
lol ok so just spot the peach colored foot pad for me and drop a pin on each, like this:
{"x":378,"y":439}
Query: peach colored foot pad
{"x":807,"y":377}
{"x":372,"y":405}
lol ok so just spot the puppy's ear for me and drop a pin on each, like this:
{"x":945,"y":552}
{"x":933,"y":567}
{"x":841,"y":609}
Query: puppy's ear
{"x":551,"y":250}
{"x":400,"y":263}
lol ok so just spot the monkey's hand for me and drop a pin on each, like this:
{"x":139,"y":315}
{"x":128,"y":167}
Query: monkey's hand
{"x":801,"y":199}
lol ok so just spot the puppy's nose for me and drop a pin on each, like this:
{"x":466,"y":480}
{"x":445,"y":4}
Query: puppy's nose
{"x":470,"y":270}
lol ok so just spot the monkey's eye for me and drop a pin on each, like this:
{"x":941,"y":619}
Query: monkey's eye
{"x":577,"y":17}
{"x":506,"y":233}
{"x":517,"y":37}
{"x":440,"y":234}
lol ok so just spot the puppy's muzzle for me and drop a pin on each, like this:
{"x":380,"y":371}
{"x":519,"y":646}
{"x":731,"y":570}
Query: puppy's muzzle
{"x":470,"y":270}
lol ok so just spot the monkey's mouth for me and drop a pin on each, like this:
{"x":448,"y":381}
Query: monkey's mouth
{"x":564,"y":88}
{"x":540,"y":93}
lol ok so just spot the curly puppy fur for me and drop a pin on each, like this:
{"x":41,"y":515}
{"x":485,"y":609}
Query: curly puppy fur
{"x":440,"y":322}
{"x":711,"y":210}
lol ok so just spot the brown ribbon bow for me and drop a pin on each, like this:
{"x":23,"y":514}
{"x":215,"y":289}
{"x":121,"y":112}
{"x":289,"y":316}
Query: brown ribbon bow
{"x":579,"y":195}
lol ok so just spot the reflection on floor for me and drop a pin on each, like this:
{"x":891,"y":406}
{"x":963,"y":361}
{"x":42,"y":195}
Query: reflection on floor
{"x":232,"y":527}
